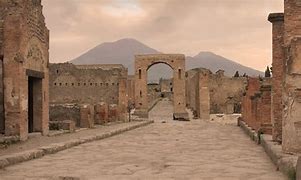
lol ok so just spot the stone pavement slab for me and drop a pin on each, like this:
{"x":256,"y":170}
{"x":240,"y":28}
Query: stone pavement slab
{"x":171,"y":150}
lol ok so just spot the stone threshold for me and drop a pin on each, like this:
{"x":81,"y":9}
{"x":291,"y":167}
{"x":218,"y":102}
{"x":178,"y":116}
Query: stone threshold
{"x":286,"y":163}
{"x":8,"y":160}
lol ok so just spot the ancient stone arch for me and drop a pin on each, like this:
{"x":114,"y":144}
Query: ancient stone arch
{"x":177,"y":63}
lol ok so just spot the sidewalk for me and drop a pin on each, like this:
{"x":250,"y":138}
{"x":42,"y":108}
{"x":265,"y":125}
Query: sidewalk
{"x":39,"y":146}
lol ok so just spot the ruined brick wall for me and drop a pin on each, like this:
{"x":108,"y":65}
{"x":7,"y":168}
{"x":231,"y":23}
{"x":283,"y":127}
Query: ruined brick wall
{"x":85,"y":84}
{"x":25,"y":54}
{"x":256,"y":105}
{"x":291,"y":134}
{"x":248,"y":104}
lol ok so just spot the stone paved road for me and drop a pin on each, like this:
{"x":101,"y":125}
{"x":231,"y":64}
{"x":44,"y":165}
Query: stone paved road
{"x":171,"y":150}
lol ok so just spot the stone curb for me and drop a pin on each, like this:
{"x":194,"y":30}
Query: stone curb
{"x":285,"y":163}
{"x":16,"y":158}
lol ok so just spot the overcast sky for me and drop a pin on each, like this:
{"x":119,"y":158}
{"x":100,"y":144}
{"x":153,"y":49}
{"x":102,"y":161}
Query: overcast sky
{"x":235,"y":29}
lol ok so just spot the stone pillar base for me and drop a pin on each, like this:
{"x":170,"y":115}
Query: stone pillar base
{"x":181,"y":116}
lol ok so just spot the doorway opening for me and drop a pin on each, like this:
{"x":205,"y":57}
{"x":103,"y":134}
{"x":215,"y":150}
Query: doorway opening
{"x":35,"y":98}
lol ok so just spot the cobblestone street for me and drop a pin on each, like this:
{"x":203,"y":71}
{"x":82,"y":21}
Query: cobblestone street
{"x":164,"y":150}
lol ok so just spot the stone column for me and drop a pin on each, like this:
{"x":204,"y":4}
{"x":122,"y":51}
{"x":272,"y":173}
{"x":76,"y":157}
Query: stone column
{"x":179,"y":98}
{"x":277,"y":19}
{"x":203,"y":95}
{"x":123,"y":99}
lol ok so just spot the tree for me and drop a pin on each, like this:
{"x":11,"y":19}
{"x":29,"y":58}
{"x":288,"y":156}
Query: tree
{"x":236,"y":74}
{"x":267,"y":72}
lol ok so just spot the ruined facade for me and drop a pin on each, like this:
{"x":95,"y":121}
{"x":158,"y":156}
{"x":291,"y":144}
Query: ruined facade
{"x":286,"y":93}
{"x":208,"y":93}
{"x":73,"y":87}
{"x":256,"y":105}
{"x":177,"y":63}
{"x":24,"y":44}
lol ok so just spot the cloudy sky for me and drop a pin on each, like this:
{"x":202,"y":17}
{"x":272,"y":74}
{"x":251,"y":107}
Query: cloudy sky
{"x":235,"y":29}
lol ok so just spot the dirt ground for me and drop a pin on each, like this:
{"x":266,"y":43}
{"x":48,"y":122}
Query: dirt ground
{"x":165,"y":150}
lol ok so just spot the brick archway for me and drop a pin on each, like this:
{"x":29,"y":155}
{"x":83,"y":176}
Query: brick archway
{"x":177,"y":63}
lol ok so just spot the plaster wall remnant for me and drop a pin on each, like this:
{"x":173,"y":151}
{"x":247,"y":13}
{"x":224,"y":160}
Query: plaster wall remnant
{"x":177,"y":63}
{"x":278,"y":64}
{"x":24,"y":44}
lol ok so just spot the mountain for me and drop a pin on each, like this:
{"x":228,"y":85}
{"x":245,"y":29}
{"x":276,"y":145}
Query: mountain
{"x":123,"y":51}
{"x":215,"y":62}
{"x":119,"y":52}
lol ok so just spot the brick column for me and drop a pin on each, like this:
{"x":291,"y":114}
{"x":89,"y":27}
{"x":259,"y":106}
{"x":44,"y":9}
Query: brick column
{"x":277,"y":19}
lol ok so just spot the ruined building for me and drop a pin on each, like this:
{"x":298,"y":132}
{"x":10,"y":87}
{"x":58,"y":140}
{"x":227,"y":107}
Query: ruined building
{"x":285,"y":104}
{"x":24,"y":60}
{"x":101,"y":89}
{"x":208,"y":93}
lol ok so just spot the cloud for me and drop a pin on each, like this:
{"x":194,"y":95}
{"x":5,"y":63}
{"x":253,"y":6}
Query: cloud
{"x":236,"y":29}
